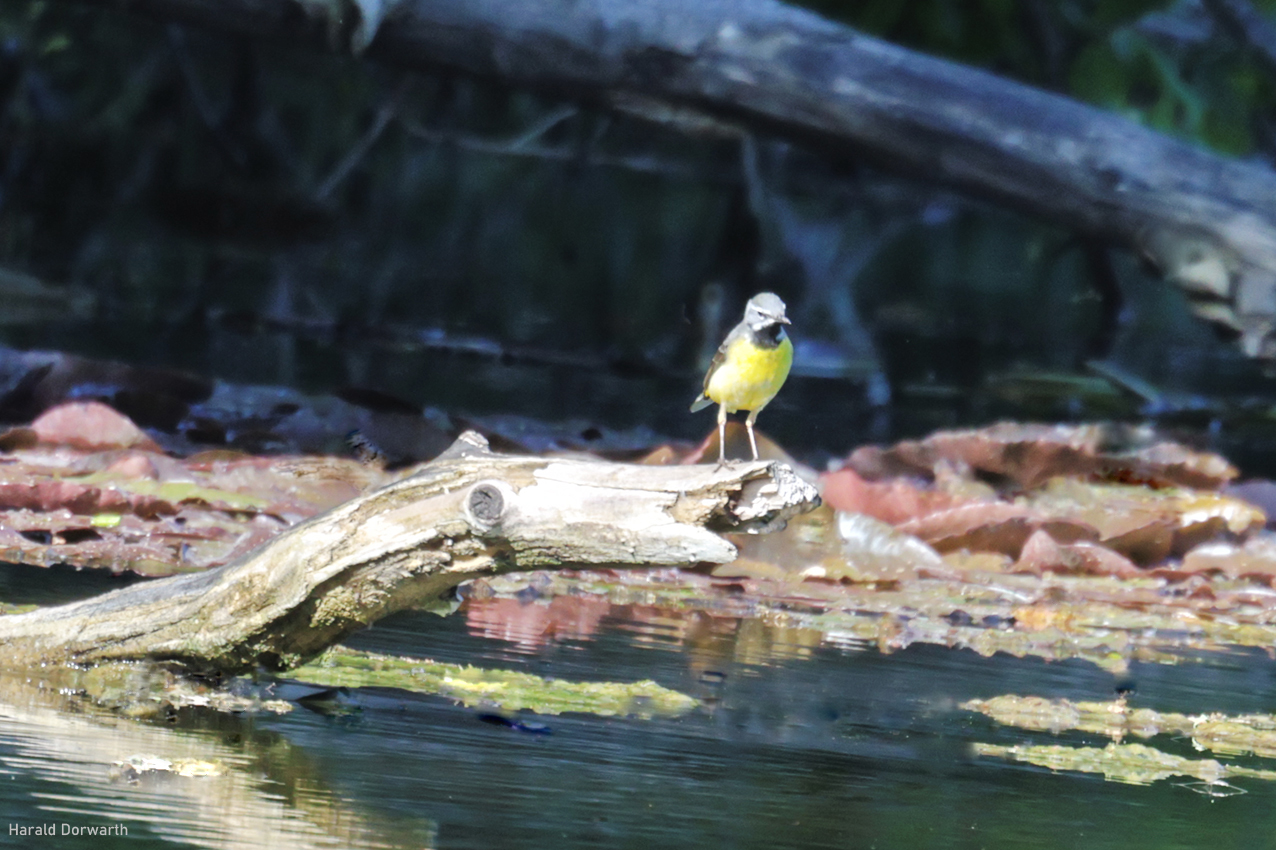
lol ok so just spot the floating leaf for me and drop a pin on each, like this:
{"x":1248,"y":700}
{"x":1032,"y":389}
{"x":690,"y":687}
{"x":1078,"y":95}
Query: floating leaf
{"x":1142,"y":523}
{"x":1135,"y":764}
{"x":991,"y":527}
{"x":151,"y":514}
{"x":894,"y":501}
{"x":1041,"y":553}
{"x":1029,"y":455}
{"x":507,"y":689}
{"x":1235,"y":735}
{"x":91,"y":426}
{"x":1256,"y":557}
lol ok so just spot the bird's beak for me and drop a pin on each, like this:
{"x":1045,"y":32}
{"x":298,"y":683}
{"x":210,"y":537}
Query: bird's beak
{"x":784,"y":320}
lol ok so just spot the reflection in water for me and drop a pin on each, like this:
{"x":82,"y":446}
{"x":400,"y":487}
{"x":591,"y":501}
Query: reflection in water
{"x":531,"y":625}
{"x":802,"y":745}
{"x":706,"y":638}
{"x":818,"y":748}
{"x":263,"y":794}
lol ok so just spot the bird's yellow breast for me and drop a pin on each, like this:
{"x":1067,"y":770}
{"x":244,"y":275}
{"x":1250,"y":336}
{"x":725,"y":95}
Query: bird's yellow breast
{"x":750,"y":375}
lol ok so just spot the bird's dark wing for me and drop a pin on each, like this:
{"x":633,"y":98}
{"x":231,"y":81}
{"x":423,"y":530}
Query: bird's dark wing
{"x":720,"y":355}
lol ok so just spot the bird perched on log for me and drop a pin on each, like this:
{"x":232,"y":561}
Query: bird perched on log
{"x":750,"y":366}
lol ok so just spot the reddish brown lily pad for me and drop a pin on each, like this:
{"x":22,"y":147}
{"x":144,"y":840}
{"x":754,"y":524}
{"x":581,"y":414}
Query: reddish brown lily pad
{"x":91,"y":426}
{"x":143,"y":511}
{"x":896,"y":500}
{"x":1147,"y":525}
{"x":1042,"y":553}
{"x":1028,"y":455}
{"x":992,"y":527}
{"x":1256,"y":558}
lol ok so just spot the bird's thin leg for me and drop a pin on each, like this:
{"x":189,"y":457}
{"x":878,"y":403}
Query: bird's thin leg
{"x":748,"y":423}
{"x":722,"y":434}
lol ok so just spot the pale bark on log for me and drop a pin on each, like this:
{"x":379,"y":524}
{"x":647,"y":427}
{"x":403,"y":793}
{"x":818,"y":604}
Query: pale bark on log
{"x":469,"y":513}
{"x":1208,"y":221}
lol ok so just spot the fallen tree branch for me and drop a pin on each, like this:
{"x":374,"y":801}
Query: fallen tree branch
{"x":469,"y":513}
{"x":1207,"y":221}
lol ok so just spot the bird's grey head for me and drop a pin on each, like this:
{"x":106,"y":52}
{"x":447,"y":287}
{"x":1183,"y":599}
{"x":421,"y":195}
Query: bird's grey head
{"x":763,"y":310}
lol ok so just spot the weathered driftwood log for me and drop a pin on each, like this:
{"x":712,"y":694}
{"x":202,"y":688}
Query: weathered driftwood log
{"x":1209,"y":222}
{"x":469,"y":513}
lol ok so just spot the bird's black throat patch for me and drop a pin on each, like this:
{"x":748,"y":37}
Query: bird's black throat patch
{"x":769,"y":336}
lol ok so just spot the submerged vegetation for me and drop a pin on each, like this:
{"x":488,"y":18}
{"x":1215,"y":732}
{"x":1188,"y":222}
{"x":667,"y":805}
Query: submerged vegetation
{"x":507,"y":690}
{"x":1227,"y":736}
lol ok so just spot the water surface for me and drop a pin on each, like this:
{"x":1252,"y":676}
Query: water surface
{"x":795,"y":745}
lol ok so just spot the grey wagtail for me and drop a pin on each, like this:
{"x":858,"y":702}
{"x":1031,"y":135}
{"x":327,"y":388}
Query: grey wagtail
{"x":749,"y":368}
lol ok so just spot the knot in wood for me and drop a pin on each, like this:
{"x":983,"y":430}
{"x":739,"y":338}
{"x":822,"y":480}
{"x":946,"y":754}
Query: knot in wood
{"x":486,"y":503}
